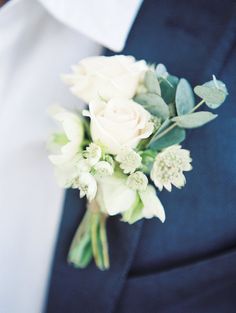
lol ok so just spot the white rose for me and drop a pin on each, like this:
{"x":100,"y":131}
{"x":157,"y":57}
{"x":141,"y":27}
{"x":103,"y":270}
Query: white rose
{"x":106,"y":77}
{"x":119,"y":123}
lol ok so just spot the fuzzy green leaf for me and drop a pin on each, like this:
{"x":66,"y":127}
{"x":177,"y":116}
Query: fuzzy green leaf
{"x":175,"y":136}
{"x":154,"y":104}
{"x":194,"y":120}
{"x":184,"y":97}
{"x":151,"y":82}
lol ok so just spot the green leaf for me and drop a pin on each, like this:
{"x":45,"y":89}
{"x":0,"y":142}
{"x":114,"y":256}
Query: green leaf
{"x":154,"y":104}
{"x":168,"y":88}
{"x":184,"y":97}
{"x":194,"y":120}
{"x":151,"y":82}
{"x":213,"y":92}
{"x":173,"y":137}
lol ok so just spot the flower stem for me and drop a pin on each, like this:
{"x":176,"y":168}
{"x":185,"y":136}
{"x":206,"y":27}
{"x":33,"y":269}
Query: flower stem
{"x":103,"y":236}
{"x":167,"y":130}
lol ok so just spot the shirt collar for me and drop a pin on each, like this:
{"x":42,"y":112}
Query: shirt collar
{"x":107,"y":22}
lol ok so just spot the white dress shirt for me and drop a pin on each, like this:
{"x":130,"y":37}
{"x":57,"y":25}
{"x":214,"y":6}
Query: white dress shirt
{"x":39,"y":40}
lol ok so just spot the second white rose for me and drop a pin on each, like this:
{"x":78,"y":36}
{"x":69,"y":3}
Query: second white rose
{"x":106,"y":77}
{"x":119,"y":123}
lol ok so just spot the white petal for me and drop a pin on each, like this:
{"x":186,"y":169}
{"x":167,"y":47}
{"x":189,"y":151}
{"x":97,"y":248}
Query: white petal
{"x":152,"y":204}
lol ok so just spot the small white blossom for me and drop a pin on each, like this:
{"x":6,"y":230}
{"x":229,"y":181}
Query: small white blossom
{"x":137,"y":181}
{"x":102,"y":169}
{"x":129,"y":160}
{"x":168,"y":167}
{"x":93,"y":153}
{"x":87,"y":186}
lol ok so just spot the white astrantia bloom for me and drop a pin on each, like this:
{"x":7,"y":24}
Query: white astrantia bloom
{"x":74,"y":132}
{"x":129,"y":160}
{"x":152,"y":206}
{"x":169,"y":166}
{"x":87,"y":186}
{"x":114,"y":196}
{"x":106,"y":77}
{"x":93,"y":153}
{"x":137,"y":181}
{"x":102,"y":169}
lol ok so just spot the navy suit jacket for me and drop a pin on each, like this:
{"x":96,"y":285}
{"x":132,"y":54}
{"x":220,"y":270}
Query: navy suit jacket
{"x":187,"y":264}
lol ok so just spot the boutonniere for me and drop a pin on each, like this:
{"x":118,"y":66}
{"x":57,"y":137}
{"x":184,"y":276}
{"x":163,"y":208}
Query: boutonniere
{"x":125,"y":143}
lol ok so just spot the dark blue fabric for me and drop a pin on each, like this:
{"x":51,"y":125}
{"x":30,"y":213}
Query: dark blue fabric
{"x":188,"y":263}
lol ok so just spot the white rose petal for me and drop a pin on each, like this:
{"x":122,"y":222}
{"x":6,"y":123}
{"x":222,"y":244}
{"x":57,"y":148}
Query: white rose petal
{"x":152,"y":206}
{"x":114,"y":196}
{"x":106,"y":77}
{"x":118,"y":123}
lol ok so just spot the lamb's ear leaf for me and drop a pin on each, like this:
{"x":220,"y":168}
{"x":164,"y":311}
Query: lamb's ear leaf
{"x":173,"y":137}
{"x":194,"y":120}
{"x":184,"y":97}
{"x":154,"y":104}
{"x":213,"y":92}
{"x":151,"y":82}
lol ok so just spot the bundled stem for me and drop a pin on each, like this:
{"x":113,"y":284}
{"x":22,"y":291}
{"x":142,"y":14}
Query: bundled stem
{"x":90,"y":240}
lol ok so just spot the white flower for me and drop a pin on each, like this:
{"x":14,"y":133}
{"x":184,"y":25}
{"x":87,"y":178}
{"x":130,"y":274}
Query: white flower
{"x":137,"y":181}
{"x":67,"y":174}
{"x":119,"y":122}
{"x":93,"y":153}
{"x":102,"y":169}
{"x":152,"y":206}
{"x":87,"y":186}
{"x":168,"y":167}
{"x":114,"y":196}
{"x":74,"y":132}
{"x":129,"y":160}
{"x":106,"y":77}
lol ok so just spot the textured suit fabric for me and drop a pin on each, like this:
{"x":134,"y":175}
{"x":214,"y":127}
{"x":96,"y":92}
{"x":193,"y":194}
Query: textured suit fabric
{"x":188,"y":263}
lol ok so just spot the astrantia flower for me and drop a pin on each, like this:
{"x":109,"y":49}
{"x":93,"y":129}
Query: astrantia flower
{"x":102,"y":169}
{"x":137,"y":181}
{"x":74,"y":135}
{"x":169,"y":166}
{"x":93,"y":153}
{"x":129,"y":160}
{"x":87,"y":186}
